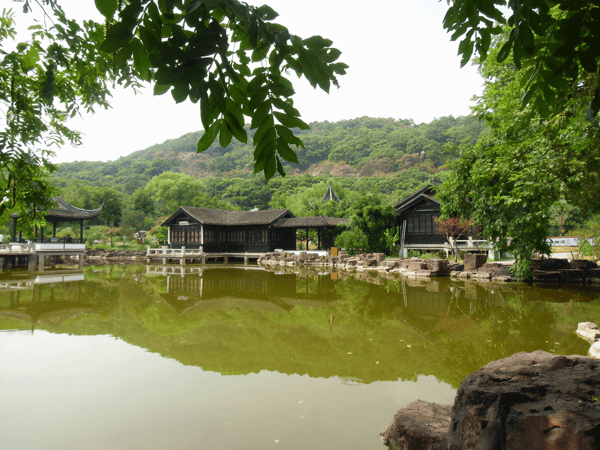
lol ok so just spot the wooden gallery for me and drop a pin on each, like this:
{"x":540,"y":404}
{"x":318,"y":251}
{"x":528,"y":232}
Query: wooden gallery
{"x":220,"y":231}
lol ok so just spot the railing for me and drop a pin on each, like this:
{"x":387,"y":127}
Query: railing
{"x":53,"y":246}
{"x":165,"y":252}
{"x":17,"y":248}
{"x":470,"y":243}
{"x":53,"y":240}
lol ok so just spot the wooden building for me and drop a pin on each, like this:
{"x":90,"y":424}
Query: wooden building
{"x":217,"y":230}
{"x":220,"y":231}
{"x":415,"y":215}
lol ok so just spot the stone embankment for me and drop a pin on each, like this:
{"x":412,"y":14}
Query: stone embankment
{"x":526,"y":401}
{"x":475,"y":266}
{"x":562,"y":270}
{"x":98,"y":256}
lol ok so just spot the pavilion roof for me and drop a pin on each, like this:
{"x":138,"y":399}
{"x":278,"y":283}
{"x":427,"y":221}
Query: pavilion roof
{"x":330,"y":195}
{"x":67,"y":213}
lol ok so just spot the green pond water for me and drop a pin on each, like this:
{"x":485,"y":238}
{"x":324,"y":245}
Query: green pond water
{"x":137,"y":357}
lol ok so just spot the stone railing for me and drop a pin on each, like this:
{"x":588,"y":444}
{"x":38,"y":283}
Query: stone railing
{"x":14,"y":247}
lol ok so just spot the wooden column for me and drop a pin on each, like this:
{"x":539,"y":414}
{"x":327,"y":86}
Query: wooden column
{"x":81,"y":231}
{"x":53,"y":229}
{"x":307,"y":239}
{"x":14,"y":228}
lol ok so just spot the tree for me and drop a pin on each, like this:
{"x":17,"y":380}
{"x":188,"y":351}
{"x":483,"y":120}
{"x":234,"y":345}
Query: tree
{"x":353,"y":240}
{"x":553,"y":43}
{"x":142,"y":201}
{"x":202,"y":51}
{"x":132,"y":221}
{"x":454,"y":228}
{"x":43,"y":81}
{"x":510,"y":179}
{"x":372,"y":217}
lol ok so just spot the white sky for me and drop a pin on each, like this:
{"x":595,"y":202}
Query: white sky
{"x":402,"y":65}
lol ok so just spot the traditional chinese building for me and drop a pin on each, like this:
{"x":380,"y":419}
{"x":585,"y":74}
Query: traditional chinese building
{"x":221,"y":231}
{"x":415,"y":215}
{"x":64,"y":212}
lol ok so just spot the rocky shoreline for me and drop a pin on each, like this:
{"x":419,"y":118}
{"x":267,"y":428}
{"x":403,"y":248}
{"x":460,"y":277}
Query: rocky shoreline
{"x":475,"y":266}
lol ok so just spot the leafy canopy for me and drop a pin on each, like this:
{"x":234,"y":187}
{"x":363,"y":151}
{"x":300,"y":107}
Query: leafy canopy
{"x":554,"y":43}
{"x":229,"y":57}
{"x":511,"y":179}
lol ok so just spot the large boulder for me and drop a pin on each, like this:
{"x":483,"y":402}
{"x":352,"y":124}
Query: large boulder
{"x":419,"y":425}
{"x":529,"y":401}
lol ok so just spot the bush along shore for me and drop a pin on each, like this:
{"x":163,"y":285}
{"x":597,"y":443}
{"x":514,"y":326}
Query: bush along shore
{"x":474,"y":266}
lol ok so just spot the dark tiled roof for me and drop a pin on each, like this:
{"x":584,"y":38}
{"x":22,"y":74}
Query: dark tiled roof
{"x":310,"y":222}
{"x":67,"y":212}
{"x":331,"y":195}
{"x":427,"y":192}
{"x":424,"y":190}
{"x":208,"y":216}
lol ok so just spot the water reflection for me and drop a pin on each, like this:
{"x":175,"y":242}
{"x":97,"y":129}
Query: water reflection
{"x":201,"y":289}
{"x":313,"y":359}
{"x":241,"y":320}
{"x":43,"y":300}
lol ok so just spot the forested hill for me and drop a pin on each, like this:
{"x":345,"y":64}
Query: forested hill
{"x":360,"y":147}
{"x":363,"y":157}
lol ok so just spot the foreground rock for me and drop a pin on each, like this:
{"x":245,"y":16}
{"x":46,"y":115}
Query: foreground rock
{"x":419,"y":425}
{"x":529,"y":401}
{"x":526,"y":401}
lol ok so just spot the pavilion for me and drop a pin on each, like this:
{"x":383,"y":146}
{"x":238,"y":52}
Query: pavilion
{"x":65,"y":212}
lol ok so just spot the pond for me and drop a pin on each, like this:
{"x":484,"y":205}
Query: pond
{"x":156,"y":357}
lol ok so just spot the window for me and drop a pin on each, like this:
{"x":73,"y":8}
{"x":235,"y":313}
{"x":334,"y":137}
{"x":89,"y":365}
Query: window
{"x":421,"y":224}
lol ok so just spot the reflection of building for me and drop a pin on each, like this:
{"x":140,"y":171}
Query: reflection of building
{"x":219,"y":288}
{"x":34,"y":300}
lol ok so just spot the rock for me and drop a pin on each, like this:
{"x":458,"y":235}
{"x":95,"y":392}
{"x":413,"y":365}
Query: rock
{"x":474,"y":261}
{"x":582,"y":264}
{"x":588,"y":331}
{"x":417,"y":265}
{"x":529,"y":401}
{"x":595,"y":353}
{"x":419,"y":425}
{"x":437,"y":265}
{"x":496,"y":270}
{"x":550,"y":264}
{"x":379,"y":257}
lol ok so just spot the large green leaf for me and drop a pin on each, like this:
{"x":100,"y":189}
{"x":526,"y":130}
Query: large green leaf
{"x":208,"y":137}
{"x":291,"y":122}
{"x":107,"y":7}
